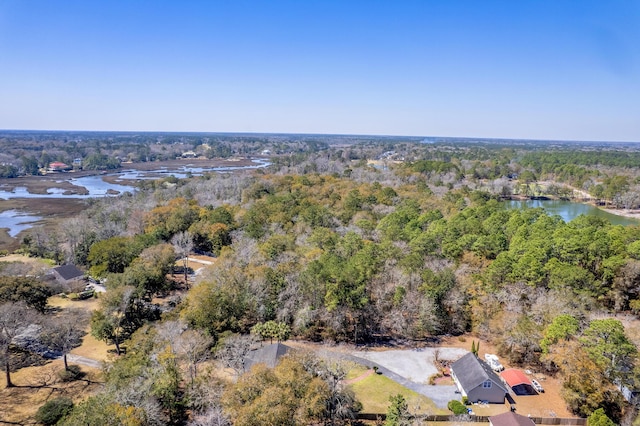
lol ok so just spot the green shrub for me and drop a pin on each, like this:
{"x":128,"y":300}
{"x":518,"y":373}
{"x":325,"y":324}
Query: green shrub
{"x":457,"y":407}
{"x":73,"y":373}
{"x":398,"y":411}
{"x":54,"y":410}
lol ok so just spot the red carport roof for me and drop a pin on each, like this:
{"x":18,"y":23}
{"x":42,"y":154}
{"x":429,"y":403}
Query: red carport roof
{"x":515,"y":377}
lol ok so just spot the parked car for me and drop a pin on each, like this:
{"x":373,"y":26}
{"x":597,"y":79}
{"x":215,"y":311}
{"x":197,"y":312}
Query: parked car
{"x":493,"y":362}
{"x":537,"y":386}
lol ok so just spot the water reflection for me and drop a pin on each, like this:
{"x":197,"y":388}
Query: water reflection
{"x":94,"y":184}
{"x":16,"y":221}
{"x":187,"y":171}
{"x":97,"y":187}
{"x":568,"y":210}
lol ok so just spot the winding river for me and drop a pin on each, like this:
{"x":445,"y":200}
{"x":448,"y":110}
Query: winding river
{"x":16,"y":221}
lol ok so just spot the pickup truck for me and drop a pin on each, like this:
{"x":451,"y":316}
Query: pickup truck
{"x":537,"y":386}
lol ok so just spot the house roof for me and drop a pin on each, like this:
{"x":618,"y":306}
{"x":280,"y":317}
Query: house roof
{"x":269,"y":355}
{"x":57,"y":164}
{"x":68,"y":272}
{"x":510,"y":419}
{"x":472,"y":372}
{"x":515,"y":377}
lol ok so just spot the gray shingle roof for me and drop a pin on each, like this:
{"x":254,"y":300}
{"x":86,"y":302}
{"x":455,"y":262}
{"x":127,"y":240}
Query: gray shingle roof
{"x":269,"y":355}
{"x":471,"y":372}
{"x":68,"y":272}
{"x":510,"y":419}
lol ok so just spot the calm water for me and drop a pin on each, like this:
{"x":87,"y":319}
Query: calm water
{"x":569,"y":211}
{"x":94,"y":184}
{"x":97,"y":187}
{"x":17,"y":221}
{"x":189,"y":170}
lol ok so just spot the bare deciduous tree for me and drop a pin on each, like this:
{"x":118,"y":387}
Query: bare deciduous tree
{"x":214,"y":416}
{"x":195,"y":347}
{"x":233,"y":351}
{"x":14,"y":319}
{"x":65,"y":332}
{"x":76,"y":234}
{"x":183,"y":243}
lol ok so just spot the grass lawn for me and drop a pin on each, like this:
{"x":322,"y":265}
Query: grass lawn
{"x":375,"y":390}
{"x":90,"y":348}
{"x":89,"y":305}
{"x":356,"y":371}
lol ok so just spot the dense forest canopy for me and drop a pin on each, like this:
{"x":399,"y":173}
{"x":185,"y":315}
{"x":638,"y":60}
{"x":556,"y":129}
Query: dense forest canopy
{"x":361,"y":240}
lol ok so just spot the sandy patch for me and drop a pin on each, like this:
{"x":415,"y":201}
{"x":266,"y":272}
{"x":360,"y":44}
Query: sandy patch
{"x":633,"y":214}
{"x":36,"y":385}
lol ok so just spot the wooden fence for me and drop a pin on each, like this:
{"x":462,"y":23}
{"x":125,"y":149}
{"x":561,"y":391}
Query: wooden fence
{"x":480,"y":419}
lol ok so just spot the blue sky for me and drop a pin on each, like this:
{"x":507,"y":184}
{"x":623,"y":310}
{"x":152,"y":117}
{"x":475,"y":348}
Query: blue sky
{"x":555,"y":69}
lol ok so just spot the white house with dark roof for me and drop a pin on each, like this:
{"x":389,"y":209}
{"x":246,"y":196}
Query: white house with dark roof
{"x":477,"y":381}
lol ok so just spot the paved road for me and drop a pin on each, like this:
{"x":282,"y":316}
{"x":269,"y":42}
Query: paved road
{"x":77,"y":359}
{"x":204,"y":262}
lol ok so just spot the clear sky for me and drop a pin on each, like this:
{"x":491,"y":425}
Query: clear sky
{"x":539,"y":69}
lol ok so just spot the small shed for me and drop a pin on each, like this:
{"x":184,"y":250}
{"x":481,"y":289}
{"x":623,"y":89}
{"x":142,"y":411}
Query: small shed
{"x":510,"y":419}
{"x":66,"y":274}
{"x":518,"y":381}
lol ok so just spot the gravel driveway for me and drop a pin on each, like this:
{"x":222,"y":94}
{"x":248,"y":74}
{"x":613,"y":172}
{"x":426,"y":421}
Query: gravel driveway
{"x":409,"y":367}
{"x":412,"y":369}
{"x":416,"y":365}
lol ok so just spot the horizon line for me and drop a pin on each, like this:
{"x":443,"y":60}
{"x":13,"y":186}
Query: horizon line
{"x":479,"y":138}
